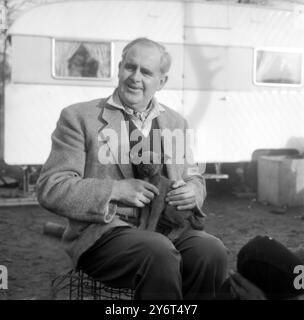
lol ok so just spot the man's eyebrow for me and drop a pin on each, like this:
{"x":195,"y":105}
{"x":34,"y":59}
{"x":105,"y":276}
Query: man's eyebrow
{"x":146,"y":70}
{"x":134,"y":65}
{"x":130,"y":64}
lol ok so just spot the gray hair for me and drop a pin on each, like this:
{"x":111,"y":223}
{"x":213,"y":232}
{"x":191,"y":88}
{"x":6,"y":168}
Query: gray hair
{"x":165,"y":61}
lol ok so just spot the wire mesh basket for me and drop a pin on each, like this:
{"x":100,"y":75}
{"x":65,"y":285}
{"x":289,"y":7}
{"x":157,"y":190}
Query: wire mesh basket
{"x":77,"y":285}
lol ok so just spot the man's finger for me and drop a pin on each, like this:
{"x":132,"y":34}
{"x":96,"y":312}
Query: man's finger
{"x":177,"y":191}
{"x":151,"y":187}
{"x":148,"y":194}
{"x":139,"y":204}
{"x":182,"y":196}
{"x":144,"y":199}
{"x":186,"y":207}
{"x":178,"y":184}
{"x":182,"y":202}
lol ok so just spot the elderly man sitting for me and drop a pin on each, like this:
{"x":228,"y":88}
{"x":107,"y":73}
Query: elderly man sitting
{"x":89,"y":179}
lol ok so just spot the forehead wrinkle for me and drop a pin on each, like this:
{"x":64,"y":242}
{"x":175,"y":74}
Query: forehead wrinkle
{"x":130,"y":59}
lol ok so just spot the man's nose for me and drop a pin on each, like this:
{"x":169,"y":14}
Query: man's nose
{"x":136,"y":75}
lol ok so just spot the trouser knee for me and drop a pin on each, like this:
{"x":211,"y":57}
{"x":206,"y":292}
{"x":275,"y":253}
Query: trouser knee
{"x":162,"y":252}
{"x":220,"y":252}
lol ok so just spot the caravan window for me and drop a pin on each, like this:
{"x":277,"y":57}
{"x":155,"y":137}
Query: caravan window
{"x":273,"y":67}
{"x":81,"y":59}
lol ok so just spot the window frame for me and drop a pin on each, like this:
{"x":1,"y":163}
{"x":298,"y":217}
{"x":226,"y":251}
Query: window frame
{"x":276,"y":50}
{"x":53,"y":62}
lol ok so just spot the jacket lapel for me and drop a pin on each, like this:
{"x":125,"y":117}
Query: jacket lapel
{"x":118,"y":142}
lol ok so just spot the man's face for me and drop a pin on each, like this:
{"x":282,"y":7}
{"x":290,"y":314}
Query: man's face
{"x":140,"y":76}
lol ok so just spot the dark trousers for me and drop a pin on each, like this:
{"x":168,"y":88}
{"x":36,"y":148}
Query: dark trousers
{"x":194,"y":267}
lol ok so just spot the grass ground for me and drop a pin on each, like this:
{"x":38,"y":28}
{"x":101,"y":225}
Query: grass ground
{"x":34,"y":259}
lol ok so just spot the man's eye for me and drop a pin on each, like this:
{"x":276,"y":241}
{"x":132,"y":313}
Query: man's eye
{"x":129,"y":67}
{"x":147,"y":73}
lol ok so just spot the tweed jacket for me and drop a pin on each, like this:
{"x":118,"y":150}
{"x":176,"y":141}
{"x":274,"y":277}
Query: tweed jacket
{"x":76,"y":183}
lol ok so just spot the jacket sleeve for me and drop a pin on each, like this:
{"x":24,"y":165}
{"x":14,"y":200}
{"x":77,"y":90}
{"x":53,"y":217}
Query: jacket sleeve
{"x":193,"y":173}
{"x":62,"y":188}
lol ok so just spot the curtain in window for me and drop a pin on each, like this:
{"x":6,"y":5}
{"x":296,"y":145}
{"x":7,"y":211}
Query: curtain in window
{"x":102,"y":53}
{"x":276,"y":67}
{"x":97,"y":63}
{"x":63,"y":51}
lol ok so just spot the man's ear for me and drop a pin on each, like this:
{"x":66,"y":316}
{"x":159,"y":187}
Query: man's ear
{"x":162,"y":82}
{"x":119,"y":66}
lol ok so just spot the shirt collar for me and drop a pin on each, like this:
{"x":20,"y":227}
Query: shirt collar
{"x":155,"y":108}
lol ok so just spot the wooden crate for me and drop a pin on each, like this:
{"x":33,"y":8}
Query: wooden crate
{"x":281,"y":180}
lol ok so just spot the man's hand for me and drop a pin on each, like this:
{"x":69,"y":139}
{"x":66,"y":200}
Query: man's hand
{"x":182,"y":196}
{"x":133,"y":192}
{"x":243,"y":289}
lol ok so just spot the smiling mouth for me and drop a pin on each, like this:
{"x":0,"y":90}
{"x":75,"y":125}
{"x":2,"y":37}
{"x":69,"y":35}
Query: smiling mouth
{"x":133,"y":88}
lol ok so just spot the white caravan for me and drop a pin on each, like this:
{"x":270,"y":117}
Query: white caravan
{"x":237,"y":72}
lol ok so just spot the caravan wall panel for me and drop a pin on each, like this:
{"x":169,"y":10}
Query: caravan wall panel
{"x":32,"y":61}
